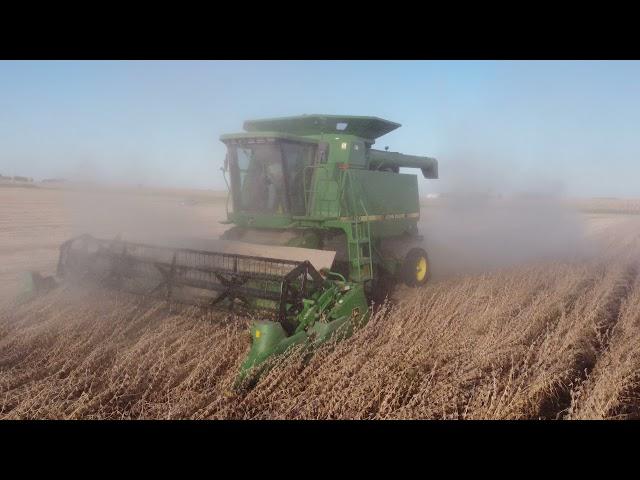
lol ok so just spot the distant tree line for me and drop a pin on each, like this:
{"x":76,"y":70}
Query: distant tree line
{"x":16,"y":179}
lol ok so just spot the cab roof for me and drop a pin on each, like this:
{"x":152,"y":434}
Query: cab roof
{"x":364,"y":127}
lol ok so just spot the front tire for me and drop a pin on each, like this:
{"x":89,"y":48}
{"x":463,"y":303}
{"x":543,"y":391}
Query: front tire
{"x":415,"y":268}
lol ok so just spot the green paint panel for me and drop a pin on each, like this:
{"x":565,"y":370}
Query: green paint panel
{"x":385,"y":193}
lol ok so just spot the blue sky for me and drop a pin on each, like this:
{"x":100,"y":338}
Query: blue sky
{"x":560,"y":126}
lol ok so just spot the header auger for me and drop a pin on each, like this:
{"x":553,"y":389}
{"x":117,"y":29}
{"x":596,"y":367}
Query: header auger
{"x":321,"y":223}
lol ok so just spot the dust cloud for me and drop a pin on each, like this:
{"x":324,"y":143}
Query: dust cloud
{"x":465,"y":232}
{"x":145,"y":216}
{"x":488,"y":216}
{"x":488,"y":220}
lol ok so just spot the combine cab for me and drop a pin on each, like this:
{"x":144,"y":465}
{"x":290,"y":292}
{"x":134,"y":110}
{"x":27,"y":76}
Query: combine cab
{"x":320,"y":223}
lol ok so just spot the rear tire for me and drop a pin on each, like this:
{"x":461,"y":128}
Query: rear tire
{"x":415,"y":270}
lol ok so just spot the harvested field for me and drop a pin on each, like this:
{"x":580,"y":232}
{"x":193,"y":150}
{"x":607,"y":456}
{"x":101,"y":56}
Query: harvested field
{"x":543,"y":338}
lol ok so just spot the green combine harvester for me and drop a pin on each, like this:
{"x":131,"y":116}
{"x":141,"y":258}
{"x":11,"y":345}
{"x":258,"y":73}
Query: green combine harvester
{"x":321,"y":224}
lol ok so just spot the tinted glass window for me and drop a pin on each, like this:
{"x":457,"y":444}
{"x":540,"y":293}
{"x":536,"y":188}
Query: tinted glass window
{"x":271,"y":177}
{"x":297,"y":157}
{"x":259,"y":179}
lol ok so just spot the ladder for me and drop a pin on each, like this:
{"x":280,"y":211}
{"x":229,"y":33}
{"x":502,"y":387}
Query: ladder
{"x":360,"y":247}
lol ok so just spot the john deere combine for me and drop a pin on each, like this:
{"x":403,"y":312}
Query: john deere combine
{"x":320,"y":222}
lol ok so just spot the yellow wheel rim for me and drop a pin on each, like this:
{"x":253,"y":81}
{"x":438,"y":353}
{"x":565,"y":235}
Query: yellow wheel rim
{"x":421,"y":269}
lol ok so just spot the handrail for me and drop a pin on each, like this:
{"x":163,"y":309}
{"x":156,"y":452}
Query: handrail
{"x":368,"y":238}
{"x":226,"y":205}
{"x":312,"y":190}
{"x":307,"y":191}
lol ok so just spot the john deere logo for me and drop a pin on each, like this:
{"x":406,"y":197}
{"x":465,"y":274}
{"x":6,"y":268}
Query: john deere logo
{"x":258,"y":333}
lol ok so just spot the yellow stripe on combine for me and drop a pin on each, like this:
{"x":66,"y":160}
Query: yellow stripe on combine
{"x":374,"y":218}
